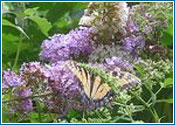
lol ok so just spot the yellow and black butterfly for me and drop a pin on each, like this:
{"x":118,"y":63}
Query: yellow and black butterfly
{"x":93,"y":87}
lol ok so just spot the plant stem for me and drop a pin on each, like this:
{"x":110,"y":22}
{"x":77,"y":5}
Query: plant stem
{"x":21,"y":22}
{"x":31,"y":97}
{"x":151,"y":110}
{"x":17,"y":52}
{"x":155,"y":94}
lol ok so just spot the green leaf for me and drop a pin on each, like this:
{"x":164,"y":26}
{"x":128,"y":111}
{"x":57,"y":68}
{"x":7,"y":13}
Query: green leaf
{"x":140,"y":70}
{"x":34,"y":117}
{"x":5,"y":97}
{"x":9,"y":43}
{"x":8,"y":117}
{"x":165,"y":100}
{"x":168,"y":82}
{"x":43,"y":24}
{"x":170,"y":29}
{"x":72,"y":114}
{"x":8,"y":23}
{"x":167,"y":39}
{"x":31,"y":11}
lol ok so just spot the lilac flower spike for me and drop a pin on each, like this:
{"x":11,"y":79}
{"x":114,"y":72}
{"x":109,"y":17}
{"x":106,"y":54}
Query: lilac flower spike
{"x":132,"y":27}
{"x":30,"y":68}
{"x":116,"y":64}
{"x":61,"y":80}
{"x":25,"y":105}
{"x":60,"y":47}
{"x":66,"y":85}
{"x":22,"y":93}
{"x":132,"y":43}
{"x":10,"y":79}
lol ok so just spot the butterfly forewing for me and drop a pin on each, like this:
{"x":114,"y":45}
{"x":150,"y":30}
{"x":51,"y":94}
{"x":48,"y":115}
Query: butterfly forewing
{"x":127,"y":80}
{"x":82,"y":75}
{"x":86,"y":82}
{"x":96,"y":85}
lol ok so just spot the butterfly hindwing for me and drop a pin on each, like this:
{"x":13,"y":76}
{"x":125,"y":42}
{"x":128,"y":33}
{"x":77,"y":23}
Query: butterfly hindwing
{"x":102,"y":91}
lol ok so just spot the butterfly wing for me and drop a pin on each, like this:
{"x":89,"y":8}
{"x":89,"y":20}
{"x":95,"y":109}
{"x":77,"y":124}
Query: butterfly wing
{"x":100,"y":89}
{"x":97,"y":91}
{"x":92,"y":85}
{"x":82,"y":75}
{"x":127,"y":80}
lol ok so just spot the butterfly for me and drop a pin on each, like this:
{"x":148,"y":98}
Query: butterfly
{"x":93,"y":87}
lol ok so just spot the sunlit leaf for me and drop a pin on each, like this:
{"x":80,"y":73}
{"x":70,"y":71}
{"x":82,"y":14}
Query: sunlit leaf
{"x":167,"y":39}
{"x":43,"y":24}
{"x":8,"y":23}
{"x":31,"y":11}
{"x":168,"y":82}
{"x":165,"y":100}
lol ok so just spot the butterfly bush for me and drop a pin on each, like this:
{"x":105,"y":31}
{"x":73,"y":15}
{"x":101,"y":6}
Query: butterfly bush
{"x":11,"y":79}
{"x":112,"y":41}
{"x":26,"y":104}
{"x":35,"y":79}
{"x":128,"y":47}
{"x":62,"y":47}
{"x":25,"y":81}
{"x":61,"y":80}
{"x":151,"y":18}
{"x":86,"y":41}
{"x":82,"y":41}
{"x":116,"y":64}
{"x":132,"y":43}
{"x":109,"y":18}
{"x":65,"y":85}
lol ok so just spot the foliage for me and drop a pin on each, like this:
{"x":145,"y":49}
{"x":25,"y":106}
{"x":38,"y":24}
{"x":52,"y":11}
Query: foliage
{"x":155,"y":21}
{"x":27,"y":24}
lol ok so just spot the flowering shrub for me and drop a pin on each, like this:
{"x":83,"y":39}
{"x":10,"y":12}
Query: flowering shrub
{"x":112,"y":38}
{"x":72,"y":45}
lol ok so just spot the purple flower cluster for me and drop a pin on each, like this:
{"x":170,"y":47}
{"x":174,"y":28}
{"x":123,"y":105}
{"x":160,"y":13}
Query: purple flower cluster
{"x":132,"y":27}
{"x":133,"y":42}
{"x":29,"y":75}
{"x":10,"y":79}
{"x":61,"y":47}
{"x":66,"y":85}
{"x":37,"y":79}
{"x":58,"y":80}
{"x":30,"y":68}
{"x":25,"y":105}
{"x":116,"y":64}
{"x":23,"y":92}
{"x":32,"y":73}
{"x":61,"y":80}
